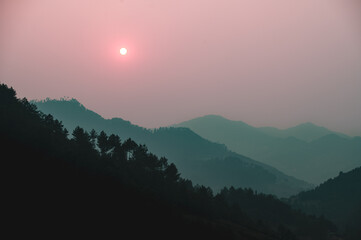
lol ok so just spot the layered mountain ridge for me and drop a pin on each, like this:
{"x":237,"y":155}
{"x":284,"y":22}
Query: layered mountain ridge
{"x":198,"y":159}
{"x":321,"y":157}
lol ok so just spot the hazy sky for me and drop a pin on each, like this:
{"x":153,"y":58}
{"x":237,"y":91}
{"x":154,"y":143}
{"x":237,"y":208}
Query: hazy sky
{"x":266,"y":62}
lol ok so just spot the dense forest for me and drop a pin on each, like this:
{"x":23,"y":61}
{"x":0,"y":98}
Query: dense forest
{"x":89,"y":183}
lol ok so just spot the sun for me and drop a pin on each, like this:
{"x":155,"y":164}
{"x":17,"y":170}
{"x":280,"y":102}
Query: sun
{"x":123,"y":51}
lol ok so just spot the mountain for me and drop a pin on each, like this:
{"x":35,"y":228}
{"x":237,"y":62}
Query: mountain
{"x":313,"y":161}
{"x":198,"y":159}
{"x":69,"y":188}
{"x":306,"y":132}
{"x":94,"y":184}
{"x":338,"y":199}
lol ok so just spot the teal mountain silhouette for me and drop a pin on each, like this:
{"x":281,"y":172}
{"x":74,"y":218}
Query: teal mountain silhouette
{"x":307,"y":151}
{"x":200,"y":160}
{"x":305,"y":131}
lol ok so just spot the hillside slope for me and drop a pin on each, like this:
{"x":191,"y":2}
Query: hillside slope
{"x":338,"y":199}
{"x":55,"y":186}
{"x":198,"y":159}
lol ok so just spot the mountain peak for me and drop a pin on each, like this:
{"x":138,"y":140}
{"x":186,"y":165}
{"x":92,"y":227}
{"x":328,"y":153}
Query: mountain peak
{"x":308,"y":125}
{"x":62,"y":100}
{"x":213,"y":116}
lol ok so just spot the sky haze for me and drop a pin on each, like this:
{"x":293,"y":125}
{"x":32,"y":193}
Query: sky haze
{"x":269,"y":63}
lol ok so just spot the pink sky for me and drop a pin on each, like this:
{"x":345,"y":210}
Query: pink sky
{"x":266,"y":62}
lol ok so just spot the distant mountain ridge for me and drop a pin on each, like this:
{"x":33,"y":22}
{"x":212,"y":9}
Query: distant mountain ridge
{"x":316,"y":160}
{"x":306,"y":131}
{"x":198,"y":159}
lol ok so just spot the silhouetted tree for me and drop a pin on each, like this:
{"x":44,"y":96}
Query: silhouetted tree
{"x":103,"y":142}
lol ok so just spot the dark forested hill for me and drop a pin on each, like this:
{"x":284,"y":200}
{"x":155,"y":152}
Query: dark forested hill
{"x":338,"y":199}
{"x":54,"y":186}
{"x":198,"y":159}
{"x":307,"y":151}
{"x":98,"y":185}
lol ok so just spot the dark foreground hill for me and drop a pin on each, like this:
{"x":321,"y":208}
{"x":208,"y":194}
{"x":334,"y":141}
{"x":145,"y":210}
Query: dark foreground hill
{"x":338,"y":199}
{"x":97,"y":185}
{"x":307,"y":151}
{"x":198,"y":159}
